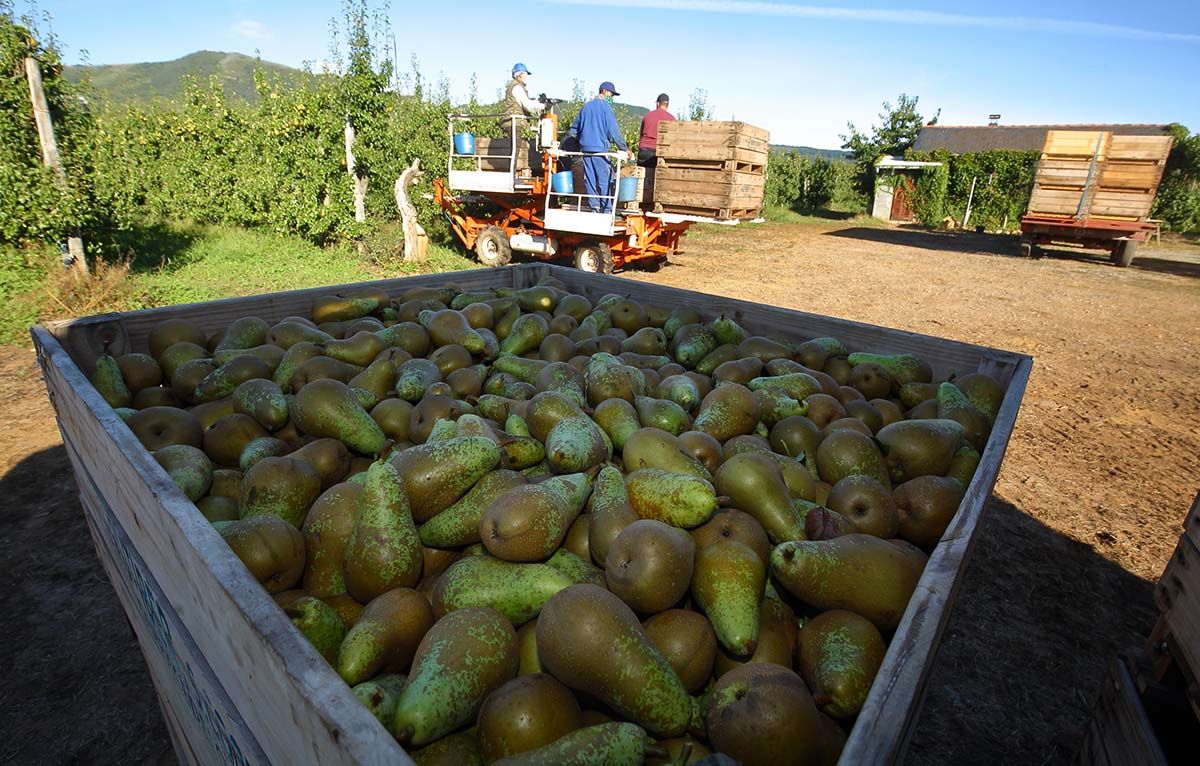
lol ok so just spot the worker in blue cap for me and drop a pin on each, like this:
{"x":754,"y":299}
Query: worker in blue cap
{"x":518,"y":106}
{"x":596,"y":128}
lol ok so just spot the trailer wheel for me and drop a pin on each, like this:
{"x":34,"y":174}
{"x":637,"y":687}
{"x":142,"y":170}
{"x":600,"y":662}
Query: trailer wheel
{"x":1025,"y":249}
{"x":594,"y":257}
{"x":1124,"y":252}
{"x":492,"y":248}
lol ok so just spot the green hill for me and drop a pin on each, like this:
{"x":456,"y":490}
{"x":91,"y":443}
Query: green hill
{"x":121,"y":83}
{"x":808,"y":151}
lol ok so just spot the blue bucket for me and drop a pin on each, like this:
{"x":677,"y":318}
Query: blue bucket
{"x":464,"y":143}
{"x":627,"y":190}
{"x":563,"y":183}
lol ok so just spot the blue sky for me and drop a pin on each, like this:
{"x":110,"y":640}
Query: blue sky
{"x":799,"y":70}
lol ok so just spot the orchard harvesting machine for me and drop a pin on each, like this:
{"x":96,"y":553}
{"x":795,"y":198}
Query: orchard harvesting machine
{"x":499,"y":202}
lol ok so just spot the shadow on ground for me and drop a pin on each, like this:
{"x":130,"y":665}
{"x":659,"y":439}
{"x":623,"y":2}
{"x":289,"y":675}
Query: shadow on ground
{"x":1181,"y":265}
{"x":948,"y":241}
{"x":154,"y":246}
{"x":1037,"y":619}
{"x":75,"y":687}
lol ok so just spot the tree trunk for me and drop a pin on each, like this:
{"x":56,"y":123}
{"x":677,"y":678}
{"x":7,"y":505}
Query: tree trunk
{"x":50,"y":156}
{"x":416,"y":244}
{"x":357,"y":180}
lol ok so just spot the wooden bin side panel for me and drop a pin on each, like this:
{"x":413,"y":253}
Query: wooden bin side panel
{"x":1119,"y":732}
{"x":239,"y":684}
{"x":1178,"y":596}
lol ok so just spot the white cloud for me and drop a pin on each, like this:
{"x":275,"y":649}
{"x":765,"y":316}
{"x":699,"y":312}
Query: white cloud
{"x":899,"y":16}
{"x":251,"y":29}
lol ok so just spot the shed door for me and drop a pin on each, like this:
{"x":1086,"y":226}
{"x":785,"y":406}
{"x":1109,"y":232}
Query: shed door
{"x":900,"y":210}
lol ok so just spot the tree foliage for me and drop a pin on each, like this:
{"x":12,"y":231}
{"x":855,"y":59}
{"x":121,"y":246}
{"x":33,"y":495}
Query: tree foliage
{"x":895,"y":134}
{"x":1178,"y":201}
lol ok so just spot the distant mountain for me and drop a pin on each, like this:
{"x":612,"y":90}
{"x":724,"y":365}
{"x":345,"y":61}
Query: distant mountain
{"x":808,"y":151}
{"x":121,"y":83}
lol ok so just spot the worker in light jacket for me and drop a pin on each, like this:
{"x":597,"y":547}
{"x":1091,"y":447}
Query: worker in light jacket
{"x":518,"y":104}
{"x":596,"y":128}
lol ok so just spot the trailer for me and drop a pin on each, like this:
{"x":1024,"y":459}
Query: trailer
{"x":1094,"y":190}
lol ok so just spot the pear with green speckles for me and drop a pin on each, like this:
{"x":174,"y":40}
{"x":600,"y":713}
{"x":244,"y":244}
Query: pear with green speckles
{"x":576,"y":568}
{"x":850,"y":453}
{"x":754,"y":483}
{"x":385,"y":636}
{"x":280,"y":486}
{"x":953,"y":404}
{"x":516,"y":591}
{"x":605,"y":744}
{"x":677,"y":499}
{"x":576,"y":444}
{"x":727,"y":411}
{"x":591,"y":641}
{"x":655,"y":448}
{"x":458,"y":525}
{"x":902,"y":368}
{"x":963,"y":465}
{"x":458,"y":749}
{"x":525,"y":335}
{"x":857,"y":572}
{"x":529,"y":523}
{"x":913,"y":448}
{"x":662,"y":413}
{"x":460,"y":661}
{"x":108,"y":381}
{"x":188,"y":467}
{"x":326,"y":529}
{"x":380,"y":695}
{"x":383,"y":551}
{"x":327,"y":407}
{"x":320,"y":624}
{"x":838,"y":655}
{"x":437,"y":474}
{"x":728,"y":582}
{"x":610,"y":512}
{"x":263,"y":400}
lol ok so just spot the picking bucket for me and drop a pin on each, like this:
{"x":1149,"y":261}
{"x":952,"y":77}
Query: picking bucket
{"x":627,"y":189}
{"x":464,"y":143}
{"x":563,"y":182}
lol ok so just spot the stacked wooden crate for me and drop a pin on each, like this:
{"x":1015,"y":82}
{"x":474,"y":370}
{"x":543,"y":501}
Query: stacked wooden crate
{"x":1148,"y":711}
{"x":1095,"y":174}
{"x":714,"y":169}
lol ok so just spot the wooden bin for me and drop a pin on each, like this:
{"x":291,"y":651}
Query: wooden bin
{"x":238,"y":684}
{"x":707,"y":168}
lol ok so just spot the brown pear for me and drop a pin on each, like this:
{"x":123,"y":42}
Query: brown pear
{"x":867,"y":504}
{"x":524,"y":714}
{"x":926,"y":506}
{"x":649,"y":565}
{"x":687,"y":640}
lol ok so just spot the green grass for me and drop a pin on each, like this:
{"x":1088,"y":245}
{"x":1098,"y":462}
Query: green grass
{"x":821,"y":217}
{"x":164,"y":264}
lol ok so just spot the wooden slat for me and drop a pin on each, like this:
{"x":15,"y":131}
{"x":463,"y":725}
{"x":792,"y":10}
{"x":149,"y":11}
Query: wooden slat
{"x":195,"y":604}
{"x":1178,"y":596}
{"x":1155,"y":148}
{"x":1191,"y":525}
{"x":1120,"y":732}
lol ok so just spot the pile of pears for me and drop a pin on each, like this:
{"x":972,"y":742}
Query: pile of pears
{"x":532,"y":527}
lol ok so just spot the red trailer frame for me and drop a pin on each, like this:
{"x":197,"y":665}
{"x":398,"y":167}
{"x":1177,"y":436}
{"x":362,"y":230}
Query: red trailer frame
{"x":1119,"y":238}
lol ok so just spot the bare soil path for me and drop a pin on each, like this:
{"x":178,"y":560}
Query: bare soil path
{"x":1099,"y":474}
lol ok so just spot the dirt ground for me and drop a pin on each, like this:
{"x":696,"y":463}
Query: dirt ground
{"x":1099,"y":474}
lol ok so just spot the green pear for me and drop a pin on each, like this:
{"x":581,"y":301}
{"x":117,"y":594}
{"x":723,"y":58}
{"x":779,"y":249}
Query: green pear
{"x":437,"y":474}
{"x":383,"y":551}
{"x":901,"y":368}
{"x":610,"y":512}
{"x":680,"y":500}
{"x":838,"y":655}
{"x":463,"y":658}
{"x":458,"y":525}
{"x":754,"y":483}
{"x":728,"y":410}
{"x":328,"y":408}
{"x":618,"y":418}
{"x":385,"y":636}
{"x":529,"y":523}
{"x":727,"y":582}
{"x":107,"y":379}
{"x":605,"y":744}
{"x":320,"y":624}
{"x":856,"y":572}
{"x":913,"y":448}
{"x":591,"y":641}
{"x":516,"y":591}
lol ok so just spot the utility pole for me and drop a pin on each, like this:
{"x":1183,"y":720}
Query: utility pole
{"x":50,"y":156}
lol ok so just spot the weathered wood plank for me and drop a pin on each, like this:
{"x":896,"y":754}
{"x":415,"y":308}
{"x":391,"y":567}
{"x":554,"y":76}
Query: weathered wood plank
{"x":1178,"y":596}
{"x":1120,"y":732}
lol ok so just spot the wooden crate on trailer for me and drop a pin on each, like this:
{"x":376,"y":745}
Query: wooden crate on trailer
{"x":722,"y":194}
{"x":1095,"y":174}
{"x":711,"y":144}
{"x":238,"y":683}
{"x":1120,"y":732}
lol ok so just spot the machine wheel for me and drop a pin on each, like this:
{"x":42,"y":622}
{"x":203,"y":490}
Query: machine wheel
{"x":492,"y":248}
{"x":1124,"y":252}
{"x":594,"y":257}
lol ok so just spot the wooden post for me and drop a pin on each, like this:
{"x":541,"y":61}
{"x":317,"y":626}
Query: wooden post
{"x":357,"y":180}
{"x":50,"y":156}
{"x":416,"y":244}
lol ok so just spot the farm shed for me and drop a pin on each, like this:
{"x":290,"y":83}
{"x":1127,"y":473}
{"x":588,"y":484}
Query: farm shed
{"x":965,"y":139}
{"x":894,"y":186}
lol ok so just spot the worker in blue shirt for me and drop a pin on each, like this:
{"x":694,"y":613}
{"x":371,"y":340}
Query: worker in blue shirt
{"x":596,"y":128}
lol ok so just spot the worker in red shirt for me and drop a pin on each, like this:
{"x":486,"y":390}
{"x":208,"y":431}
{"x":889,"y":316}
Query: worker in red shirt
{"x":648,"y":145}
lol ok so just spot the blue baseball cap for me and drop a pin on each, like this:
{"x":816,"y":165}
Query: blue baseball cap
{"x":518,"y":68}
{"x":608,"y":86}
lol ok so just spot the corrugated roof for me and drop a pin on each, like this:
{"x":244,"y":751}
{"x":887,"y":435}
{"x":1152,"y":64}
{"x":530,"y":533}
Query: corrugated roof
{"x":961,"y":139}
